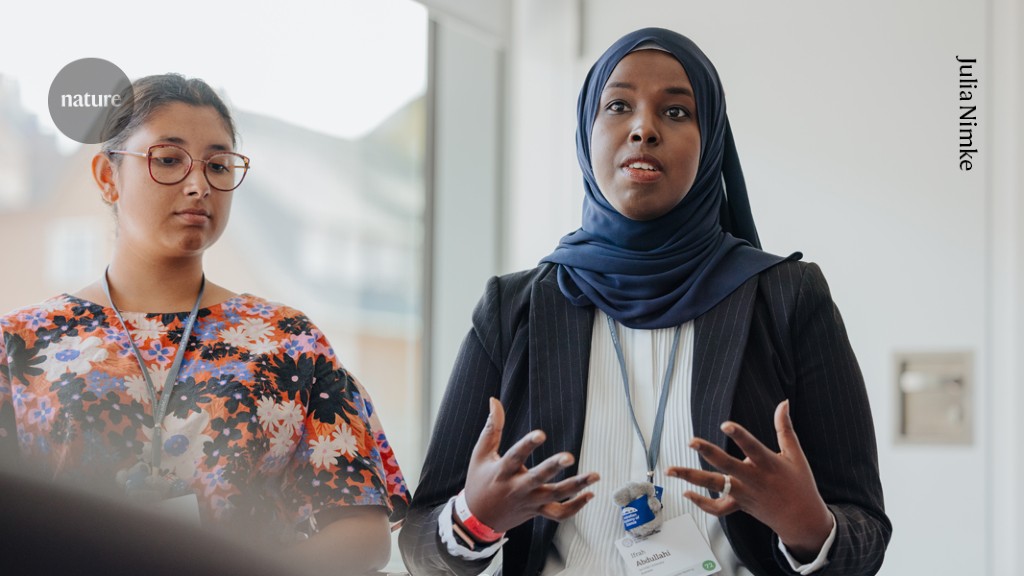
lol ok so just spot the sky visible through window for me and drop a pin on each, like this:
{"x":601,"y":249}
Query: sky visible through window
{"x":339,"y":67}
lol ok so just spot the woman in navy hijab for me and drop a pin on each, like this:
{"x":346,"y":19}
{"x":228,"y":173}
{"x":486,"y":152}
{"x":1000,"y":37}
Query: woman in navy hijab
{"x":656,"y":374}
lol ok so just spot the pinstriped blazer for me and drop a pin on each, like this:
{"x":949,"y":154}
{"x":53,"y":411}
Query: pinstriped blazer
{"x":778,"y":336}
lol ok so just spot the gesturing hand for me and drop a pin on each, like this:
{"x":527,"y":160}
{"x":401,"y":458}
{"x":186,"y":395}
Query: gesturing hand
{"x":776,"y":488}
{"x":502,"y":493}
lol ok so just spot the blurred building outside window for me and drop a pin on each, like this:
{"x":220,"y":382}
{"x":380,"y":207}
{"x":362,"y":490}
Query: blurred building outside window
{"x":329,"y":101}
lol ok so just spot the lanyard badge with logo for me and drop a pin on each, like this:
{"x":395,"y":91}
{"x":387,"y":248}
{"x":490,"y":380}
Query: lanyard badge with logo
{"x":641,"y":501}
{"x":145,"y":481}
{"x":655,"y":547}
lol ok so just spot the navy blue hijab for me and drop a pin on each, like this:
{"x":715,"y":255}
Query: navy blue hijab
{"x":669,"y":270}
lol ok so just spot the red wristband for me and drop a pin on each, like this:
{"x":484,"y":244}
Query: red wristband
{"x":477,"y":529}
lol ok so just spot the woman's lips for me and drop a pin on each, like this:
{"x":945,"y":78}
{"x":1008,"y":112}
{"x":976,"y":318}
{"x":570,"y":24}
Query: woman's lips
{"x":194,"y":216}
{"x":641,"y":168}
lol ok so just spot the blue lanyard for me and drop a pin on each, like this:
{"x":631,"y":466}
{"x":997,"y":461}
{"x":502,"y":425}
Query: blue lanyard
{"x":159,"y":409}
{"x":659,"y":421}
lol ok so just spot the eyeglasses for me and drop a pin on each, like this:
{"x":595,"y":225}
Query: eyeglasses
{"x":170,"y":164}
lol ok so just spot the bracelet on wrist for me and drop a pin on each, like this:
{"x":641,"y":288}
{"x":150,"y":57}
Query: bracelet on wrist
{"x":477,"y":530}
{"x":461,"y":535}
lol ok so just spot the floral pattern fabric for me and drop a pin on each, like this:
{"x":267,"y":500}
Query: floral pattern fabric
{"x":264,"y":423}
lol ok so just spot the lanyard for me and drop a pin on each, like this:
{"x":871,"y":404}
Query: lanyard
{"x":159,"y":410}
{"x":659,"y":421}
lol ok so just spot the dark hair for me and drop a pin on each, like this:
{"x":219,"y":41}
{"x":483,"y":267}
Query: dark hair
{"x":149,"y":94}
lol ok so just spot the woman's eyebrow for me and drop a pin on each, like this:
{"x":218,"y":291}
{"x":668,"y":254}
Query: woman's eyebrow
{"x":625,"y":85}
{"x":683,"y":90}
{"x":183,"y":142}
{"x":172,"y":140}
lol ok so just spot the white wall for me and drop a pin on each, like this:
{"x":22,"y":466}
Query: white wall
{"x":846,"y":120}
{"x":543,"y":178}
{"x":1006,"y":287}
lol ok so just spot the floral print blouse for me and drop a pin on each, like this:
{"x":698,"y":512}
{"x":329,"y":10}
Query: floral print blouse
{"x":264,"y":423}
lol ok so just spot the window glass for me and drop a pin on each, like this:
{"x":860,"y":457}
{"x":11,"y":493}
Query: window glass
{"x":329,"y":102}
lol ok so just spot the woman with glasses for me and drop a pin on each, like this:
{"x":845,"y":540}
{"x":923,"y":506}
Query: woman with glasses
{"x":159,"y":385}
{"x":633,"y":404}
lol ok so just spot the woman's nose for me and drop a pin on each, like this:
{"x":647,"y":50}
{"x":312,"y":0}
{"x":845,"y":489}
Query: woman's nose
{"x":195,"y":183}
{"x":644,"y":131}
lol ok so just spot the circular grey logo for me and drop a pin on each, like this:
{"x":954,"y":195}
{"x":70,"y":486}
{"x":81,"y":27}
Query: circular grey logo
{"x":87,"y":98}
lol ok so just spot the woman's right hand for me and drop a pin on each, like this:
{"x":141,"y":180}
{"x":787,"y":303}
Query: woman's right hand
{"x":502,"y":493}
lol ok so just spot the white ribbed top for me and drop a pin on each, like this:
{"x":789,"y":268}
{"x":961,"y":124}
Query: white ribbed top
{"x":585,"y":544}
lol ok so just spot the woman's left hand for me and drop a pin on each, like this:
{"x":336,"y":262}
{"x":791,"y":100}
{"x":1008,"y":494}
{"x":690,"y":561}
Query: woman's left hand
{"x":776,"y":488}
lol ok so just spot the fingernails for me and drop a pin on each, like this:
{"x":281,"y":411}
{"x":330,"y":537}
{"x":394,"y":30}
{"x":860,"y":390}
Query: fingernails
{"x":728,"y":428}
{"x":536,"y":436}
{"x":565,"y":460}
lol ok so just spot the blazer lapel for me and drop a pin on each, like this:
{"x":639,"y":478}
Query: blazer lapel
{"x":559,"y":363}
{"x":559,"y":343}
{"x":719,"y":342}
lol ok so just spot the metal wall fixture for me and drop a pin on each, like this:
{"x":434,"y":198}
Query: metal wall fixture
{"x":934,"y":393}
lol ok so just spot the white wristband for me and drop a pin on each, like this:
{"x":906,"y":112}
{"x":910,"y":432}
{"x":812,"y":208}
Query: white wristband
{"x":455,"y":548}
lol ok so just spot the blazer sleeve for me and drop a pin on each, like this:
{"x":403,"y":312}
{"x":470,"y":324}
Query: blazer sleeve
{"x":831,"y":413}
{"x":464,"y":409}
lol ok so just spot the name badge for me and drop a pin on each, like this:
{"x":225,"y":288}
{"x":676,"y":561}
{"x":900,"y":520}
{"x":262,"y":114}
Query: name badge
{"x":182,"y":508}
{"x":677,"y":549}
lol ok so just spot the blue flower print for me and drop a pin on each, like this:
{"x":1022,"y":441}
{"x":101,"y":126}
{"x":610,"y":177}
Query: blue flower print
{"x":35,"y":318}
{"x":42,"y":414}
{"x":176,"y":445}
{"x":213,"y":480}
{"x":100,"y":382}
{"x":239,"y":425}
{"x":68,"y":355}
{"x":189,"y":368}
{"x":21,"y":397}
{"x":239,"y":370}
{"x":262,"y":309}
{"x":209,"y":330}
{"x":159,"y":352}
{"x":292,"y":348}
